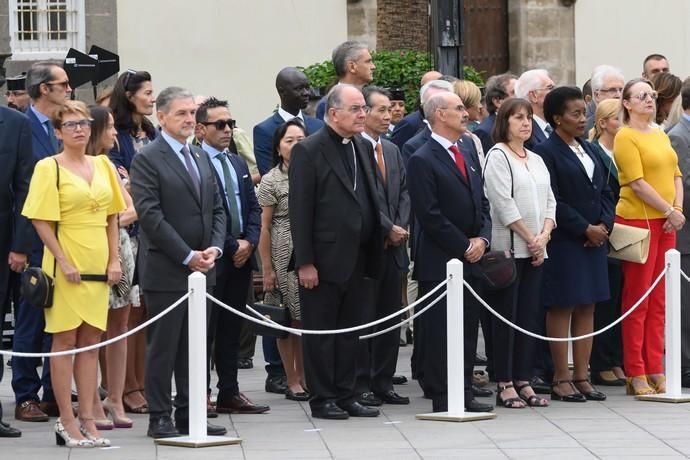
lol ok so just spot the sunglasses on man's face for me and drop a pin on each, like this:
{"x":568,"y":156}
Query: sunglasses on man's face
{"x":221,"y":124}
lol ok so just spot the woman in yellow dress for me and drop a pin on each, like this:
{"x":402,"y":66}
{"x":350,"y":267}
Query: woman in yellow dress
{"x":84,"y":205}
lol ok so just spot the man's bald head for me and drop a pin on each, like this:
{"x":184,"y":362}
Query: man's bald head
{"x":293,"y":89}
{"x":429,"y":76}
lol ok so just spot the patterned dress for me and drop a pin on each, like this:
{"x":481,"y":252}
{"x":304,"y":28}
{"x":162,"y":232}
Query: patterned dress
{"x":273,"y":192}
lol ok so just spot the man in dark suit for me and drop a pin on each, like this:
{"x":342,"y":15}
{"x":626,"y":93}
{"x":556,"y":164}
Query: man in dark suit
{"x":15,"y":230}
{"x":353,"y":66}
{"x":453,"y":221}
{"x":234,"y":271}
{"x":48,"y":86}
{"x":338,"y":248}
{"x":498,"y":89}
{"x":680,"y":139}
{"x":17,"y":96}
{"x":182,"y":225}
{"x":411,"y":124}
{"x":533,"y":86}
{"x":293,"y":89}
{"x":379,"y":356}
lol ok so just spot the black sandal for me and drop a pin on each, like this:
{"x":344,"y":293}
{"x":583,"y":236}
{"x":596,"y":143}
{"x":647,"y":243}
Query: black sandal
{"x":573,"y":397}
{"x":532,"y":401}
{"x":510,"y":402}
{"x":593,"y":395}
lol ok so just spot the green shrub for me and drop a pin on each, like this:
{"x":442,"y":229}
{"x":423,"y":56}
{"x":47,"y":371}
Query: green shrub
{"x":394,"y":69}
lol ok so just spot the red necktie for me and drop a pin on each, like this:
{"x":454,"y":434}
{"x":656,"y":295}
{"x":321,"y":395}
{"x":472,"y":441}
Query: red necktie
{"x":459,"y":160}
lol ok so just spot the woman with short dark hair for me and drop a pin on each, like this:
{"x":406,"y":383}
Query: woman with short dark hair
{"x":575,"y":276}
{"x":523,"y":213}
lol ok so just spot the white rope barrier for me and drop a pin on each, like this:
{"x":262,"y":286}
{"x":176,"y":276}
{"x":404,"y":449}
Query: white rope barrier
{"x":296,"y":331}
{"x":100,"y":344}
{"x":687,"y":278}
{"x":567,"y":339}
{"x":406,"y":320}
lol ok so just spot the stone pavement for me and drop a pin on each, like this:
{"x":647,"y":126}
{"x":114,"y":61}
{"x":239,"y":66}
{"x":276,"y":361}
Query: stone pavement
{"x":617,"y":428}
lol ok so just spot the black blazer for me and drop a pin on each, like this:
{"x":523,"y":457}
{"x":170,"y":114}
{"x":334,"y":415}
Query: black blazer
{"x":173,"y":218}
{"x":407,"y":128}
{"x":251,"y":211}
{"x":537,"y":137}
{"x":580,"y":202}
{"x":485,"y":132}
{"x":411,"y":146}
{"x":449,"y":210}
{"x":325,"y":216}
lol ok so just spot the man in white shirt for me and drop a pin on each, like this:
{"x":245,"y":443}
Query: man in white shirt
{"x":533,"y":85}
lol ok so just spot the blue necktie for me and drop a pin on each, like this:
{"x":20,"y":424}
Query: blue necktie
{"x":51,"y":135}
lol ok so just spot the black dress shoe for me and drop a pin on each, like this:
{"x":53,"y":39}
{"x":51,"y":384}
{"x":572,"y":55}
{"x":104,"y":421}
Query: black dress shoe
{"x":299,"y":396}
{"x":182,"y":426}
{"x":481,"y":392}
{"x":369,"y":399}
{"x":6,"y":431}
{"x":540,"y":386}
{"x":391,"y":397}
{"x":475,"y":406}
{"x":276,"y":384}
{"x":162,"y":427}
{"x":399,"y":380}
{"x":355,"y":409}
{"x":329,"y":410}
{"x":245,"y":363}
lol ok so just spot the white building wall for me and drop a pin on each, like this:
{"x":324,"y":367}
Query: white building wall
{"x":230,"y":49}
{"x":624,"y":32}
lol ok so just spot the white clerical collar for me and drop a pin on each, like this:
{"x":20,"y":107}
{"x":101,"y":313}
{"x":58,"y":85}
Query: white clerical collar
{"x":287,"y":116}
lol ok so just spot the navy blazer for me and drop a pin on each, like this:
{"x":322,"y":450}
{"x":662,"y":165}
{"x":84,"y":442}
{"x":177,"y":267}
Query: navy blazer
{"x":251,"y":211}
{"x":407,"y":128}
{"x":415,"y":143}
{"x":123,"y":151}
{"x":537,"y":137}
{"x":580,"y":202}
{"x":263,"y":138}
{"x":449,"y":209}
{"x":484,"y":132}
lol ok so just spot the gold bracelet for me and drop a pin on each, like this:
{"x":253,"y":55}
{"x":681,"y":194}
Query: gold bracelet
{"x":679,"y":208}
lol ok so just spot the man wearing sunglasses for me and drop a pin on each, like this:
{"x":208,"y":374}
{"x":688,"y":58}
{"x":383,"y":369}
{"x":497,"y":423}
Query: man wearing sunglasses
{"x":234,"y":271}
{"x":48,"y":87}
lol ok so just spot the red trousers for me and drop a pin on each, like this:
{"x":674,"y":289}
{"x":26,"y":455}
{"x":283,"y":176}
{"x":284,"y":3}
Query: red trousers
{"x":643,"y":330}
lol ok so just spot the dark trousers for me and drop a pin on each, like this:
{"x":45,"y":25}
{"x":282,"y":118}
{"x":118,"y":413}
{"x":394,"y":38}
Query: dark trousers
{"x":225,"y":327}
{"x":29,"y":337}
{"x":274,"y":365}
{"x":247,"y":336}
{"x":520,"y":303}
{"x":330,"y":360}
{"x":167,"y":354}
{"x":377,"y":357}
{"x":607,"y":348}
{"x":685,"y":313}
{"x":431,"y":341}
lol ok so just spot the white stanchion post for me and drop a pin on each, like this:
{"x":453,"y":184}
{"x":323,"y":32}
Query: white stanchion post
{"x":674,"y":392}
{"x":455,"y":349}
{"x":196,"y":319}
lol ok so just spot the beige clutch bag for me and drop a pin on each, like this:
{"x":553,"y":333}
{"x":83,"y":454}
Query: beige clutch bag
{"x":629,"y":243}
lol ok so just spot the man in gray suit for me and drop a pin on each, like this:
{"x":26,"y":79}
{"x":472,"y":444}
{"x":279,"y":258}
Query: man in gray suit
{"x":378,"y":357}
{"x":680,"y":139}
{"x":183,"y":227}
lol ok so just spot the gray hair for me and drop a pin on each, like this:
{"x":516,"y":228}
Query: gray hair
{"x":435,"y":102}
{"x":333,"y":98}
{"x":169,"y":94}
{"x":530,"y":81}
{"x":496,"y":88}
{"x":438,"y":84}
{"x":601,"y":72}
{"x":39,"y":72}
{"x":344,"y":53}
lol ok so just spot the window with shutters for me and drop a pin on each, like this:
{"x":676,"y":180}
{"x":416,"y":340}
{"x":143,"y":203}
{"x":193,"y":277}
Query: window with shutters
{"x":45,"y":29}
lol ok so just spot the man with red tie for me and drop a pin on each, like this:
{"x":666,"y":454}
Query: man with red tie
{"x":452,"y":213}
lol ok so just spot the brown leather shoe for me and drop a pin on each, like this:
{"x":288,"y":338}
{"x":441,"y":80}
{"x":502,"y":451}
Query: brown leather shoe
{"x":239,"y":404}
{"x":50,"y":408}
{"x":29,"y":411}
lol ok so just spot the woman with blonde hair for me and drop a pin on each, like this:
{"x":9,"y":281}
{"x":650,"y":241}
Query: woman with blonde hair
{"x":73,"y":203}
{"x":471,"y":97}
{"x":606,"y":360}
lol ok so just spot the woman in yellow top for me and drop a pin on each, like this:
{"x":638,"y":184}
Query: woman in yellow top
{"x":651,"y":196}
{"x":85,"y":207}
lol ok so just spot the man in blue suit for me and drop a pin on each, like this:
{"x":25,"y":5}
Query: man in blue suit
{"x":412,"y":123}
{"x":293,"y":89}
{"x":453,"y":221}
{"x":234,"y":270}
{"x":533,"y":86}
{"x":498,"y":89}
{"x":48,"y":86}
{"x":15,"y":230}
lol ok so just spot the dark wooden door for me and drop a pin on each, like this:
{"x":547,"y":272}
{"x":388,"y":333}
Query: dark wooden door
{"x":486,"y":35}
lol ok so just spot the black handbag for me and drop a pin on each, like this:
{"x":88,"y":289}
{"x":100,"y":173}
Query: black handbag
{"x":276,"y":313}
{"x":498,"y":268}
{"x":37,"y":286}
